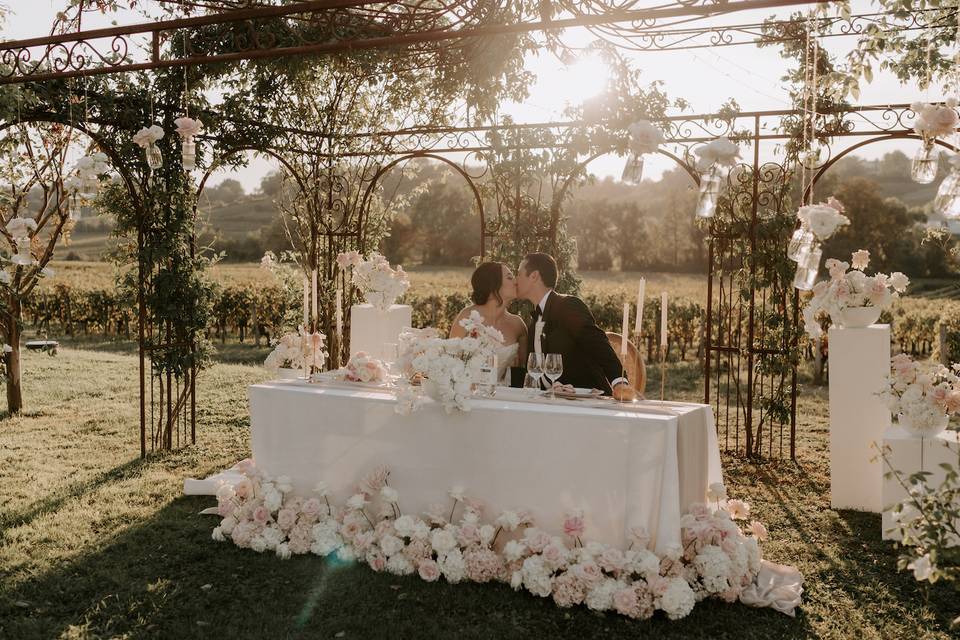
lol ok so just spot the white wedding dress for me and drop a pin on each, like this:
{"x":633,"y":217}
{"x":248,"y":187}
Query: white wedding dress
{"x":506,"y":358}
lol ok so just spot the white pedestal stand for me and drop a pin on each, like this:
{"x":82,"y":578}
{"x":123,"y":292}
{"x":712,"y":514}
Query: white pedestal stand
{"x":904,"y":455}
{"x":859,"y":364}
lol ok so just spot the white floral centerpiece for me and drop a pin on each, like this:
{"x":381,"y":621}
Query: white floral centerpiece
{"x":717,"y":559}
{"x":298,"y":351}
{"x":848,"y":291}
{"x":363,"y":368}
{"x":449,"y":366}
{"x":380,"y":284}
{"x":923,"y":399}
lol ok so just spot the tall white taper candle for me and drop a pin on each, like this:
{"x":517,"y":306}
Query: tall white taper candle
{"x":638,"y":327}
{"x":339,"y":314}
{"x":624,"y":329}
{"x":663,"y":319}
{"x":306,"y":303}
{"x":315,"y":315}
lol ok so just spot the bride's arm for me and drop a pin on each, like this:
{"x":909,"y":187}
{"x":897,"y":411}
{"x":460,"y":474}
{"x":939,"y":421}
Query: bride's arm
{"x":456,"y":331}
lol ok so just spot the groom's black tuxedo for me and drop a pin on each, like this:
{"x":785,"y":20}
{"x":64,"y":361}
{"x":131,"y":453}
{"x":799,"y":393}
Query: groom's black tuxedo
{"x":570,"y":330}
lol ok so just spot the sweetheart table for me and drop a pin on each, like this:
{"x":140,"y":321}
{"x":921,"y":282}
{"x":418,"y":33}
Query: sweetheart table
{"x":622,"y":465}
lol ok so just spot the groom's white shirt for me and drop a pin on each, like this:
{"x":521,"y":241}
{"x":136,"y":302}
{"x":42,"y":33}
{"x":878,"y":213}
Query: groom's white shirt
{"x":543,"y":307}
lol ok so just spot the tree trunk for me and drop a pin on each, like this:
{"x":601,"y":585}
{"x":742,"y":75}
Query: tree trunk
{"x":14,"y":390}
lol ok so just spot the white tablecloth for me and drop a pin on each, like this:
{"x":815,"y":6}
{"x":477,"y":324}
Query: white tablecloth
{"x":622,"y":468}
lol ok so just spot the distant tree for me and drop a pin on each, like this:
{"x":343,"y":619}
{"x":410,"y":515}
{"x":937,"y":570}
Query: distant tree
{"x":446,"y":225}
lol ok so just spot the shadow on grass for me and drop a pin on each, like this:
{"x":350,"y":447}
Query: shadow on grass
{"x":57,"y":499}
{"x":226,"y":353}
{"x":150,"y":580}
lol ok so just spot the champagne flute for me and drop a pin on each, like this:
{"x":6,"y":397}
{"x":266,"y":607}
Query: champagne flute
{"x":535,"y":366}
{"x":553,"y":369}
{"x":531,"y":386}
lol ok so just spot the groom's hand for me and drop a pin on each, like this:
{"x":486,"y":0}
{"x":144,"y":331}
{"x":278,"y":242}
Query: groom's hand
{"x":624,"y":391}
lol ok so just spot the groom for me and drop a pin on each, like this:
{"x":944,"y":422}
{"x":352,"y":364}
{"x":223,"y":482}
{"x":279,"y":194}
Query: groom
{"x":570,"y":330}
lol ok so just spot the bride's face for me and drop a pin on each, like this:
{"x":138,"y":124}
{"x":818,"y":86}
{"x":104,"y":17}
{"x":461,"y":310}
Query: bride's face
{"x":508,"y":289}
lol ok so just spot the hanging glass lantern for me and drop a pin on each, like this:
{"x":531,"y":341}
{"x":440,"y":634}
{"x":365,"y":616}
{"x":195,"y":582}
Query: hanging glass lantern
{"x":189,"y":153}
{"x":926,"y":161}
{"x":633,"y":170}
{"x":808,"y":268}
{"x":154,"y":156}
{"x":22,"y":256}
{"x":800,"y":244}
{"x":812,"y":157}
{"x":711,"y":184}
{"x":947,"y":202}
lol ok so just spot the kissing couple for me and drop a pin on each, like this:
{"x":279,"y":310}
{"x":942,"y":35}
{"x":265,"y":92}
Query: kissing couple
{"x":567,"y":326}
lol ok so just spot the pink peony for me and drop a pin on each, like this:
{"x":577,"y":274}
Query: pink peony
{"x":945,"y":119}
{"x":301,"y":538}
{"x":538,"y":542}
{"x":418,"y":551}
{"x":429,"y":570}
{"x":363,"y":540}
{"x":568,"y":590}
{"x":625,"y":601}
{"x":555,"y":555}
{"x":588,"y":572}
{"x":860,"y":259}
{"x":952,"y":404}
{"x":573,"y":525}
{"x":349,"y":530}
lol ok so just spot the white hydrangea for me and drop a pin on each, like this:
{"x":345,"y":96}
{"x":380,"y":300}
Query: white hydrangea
{"x":713,"y":566}
{"x":400,"y":565}
{"x":273,"y":536}
{"x":453,"y":567}
{"x":600,"y":597}
{"x":514,"y":550}
{"x":678,"y":600}
{"x":272,"y":499}
{"x":443,"y":541}
{"x":405,"y":526}
{"x":508,"y":520}
{"x":346,"y":554}
{"x":258,"y":544}
{"x":391,"y":545}
{"x":643,"y":562}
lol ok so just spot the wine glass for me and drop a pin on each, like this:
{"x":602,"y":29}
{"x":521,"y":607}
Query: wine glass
{"x":531,"y":385}
{"x":535,"y":366}
{"x":553,"y":369}
{"x":390,"y":354}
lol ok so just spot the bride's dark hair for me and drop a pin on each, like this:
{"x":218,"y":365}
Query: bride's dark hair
{"x":487,"y":280}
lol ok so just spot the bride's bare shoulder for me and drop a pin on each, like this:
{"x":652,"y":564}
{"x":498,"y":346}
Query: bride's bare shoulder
{"x":517,"y":322}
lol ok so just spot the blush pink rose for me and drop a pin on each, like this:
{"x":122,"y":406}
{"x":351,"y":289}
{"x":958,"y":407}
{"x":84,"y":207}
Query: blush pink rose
{"x":626,"y":603}
{"x":376,"y":560}
{"x":573,"y":526}
{"x":952,"y":404}
{"x":243,"y":489}
{"x":261,"y":515}
{"x":611,"y":560}
{"x":312,"y":507}
{"x":538,"y":542}
{"x":429,"y":570}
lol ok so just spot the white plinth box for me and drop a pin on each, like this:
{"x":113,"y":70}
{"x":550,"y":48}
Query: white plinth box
{"x":859,"y":364}
{"x":371,"y":328}
{"x":906,"y":453}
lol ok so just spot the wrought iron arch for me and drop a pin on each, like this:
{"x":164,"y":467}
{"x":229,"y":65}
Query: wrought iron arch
{"x":221,"y":161}
{"x":365,"y":202}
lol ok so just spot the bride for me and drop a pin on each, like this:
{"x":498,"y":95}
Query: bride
{"x":494,"y":288}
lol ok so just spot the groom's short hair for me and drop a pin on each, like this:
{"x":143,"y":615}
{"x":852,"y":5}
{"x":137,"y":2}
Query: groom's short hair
{"x":545,"y":265}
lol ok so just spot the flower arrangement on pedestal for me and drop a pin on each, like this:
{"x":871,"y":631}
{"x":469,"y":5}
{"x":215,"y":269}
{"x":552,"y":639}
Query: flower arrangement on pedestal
{"x":717,"y":157}
{"x":716,"y":558}
{"x":298,"y":351}
{"x":644,"y":138}
{"x":851,"y":297}
{"x":922,"y":398}
{"x":379,"y":284}
{"x":817,"y":223}
{"x":932,"y":121}
{"x":448,"y":366}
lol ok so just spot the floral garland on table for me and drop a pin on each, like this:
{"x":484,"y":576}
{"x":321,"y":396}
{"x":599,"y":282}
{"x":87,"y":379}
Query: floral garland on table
{"x":298,"y":351}
{"x":716,"y":559}
{"x":852,"y":288}
{"x":448,"y":367}
{"x":380,"y":284}
{"x":363,"y":368}
{"x":922,"y":398}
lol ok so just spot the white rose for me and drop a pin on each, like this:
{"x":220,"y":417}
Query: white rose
{"x":717,"y":491}
{"x":514,"y":550}
{"x":443,"y":541}
{"x":405,"y":526}
{"x":487,"y":533}
{"x":356,"y":502}
{"x":391,"y":545}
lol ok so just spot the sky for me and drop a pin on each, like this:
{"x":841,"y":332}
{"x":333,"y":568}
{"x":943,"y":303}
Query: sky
{"x":706,"y":78}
